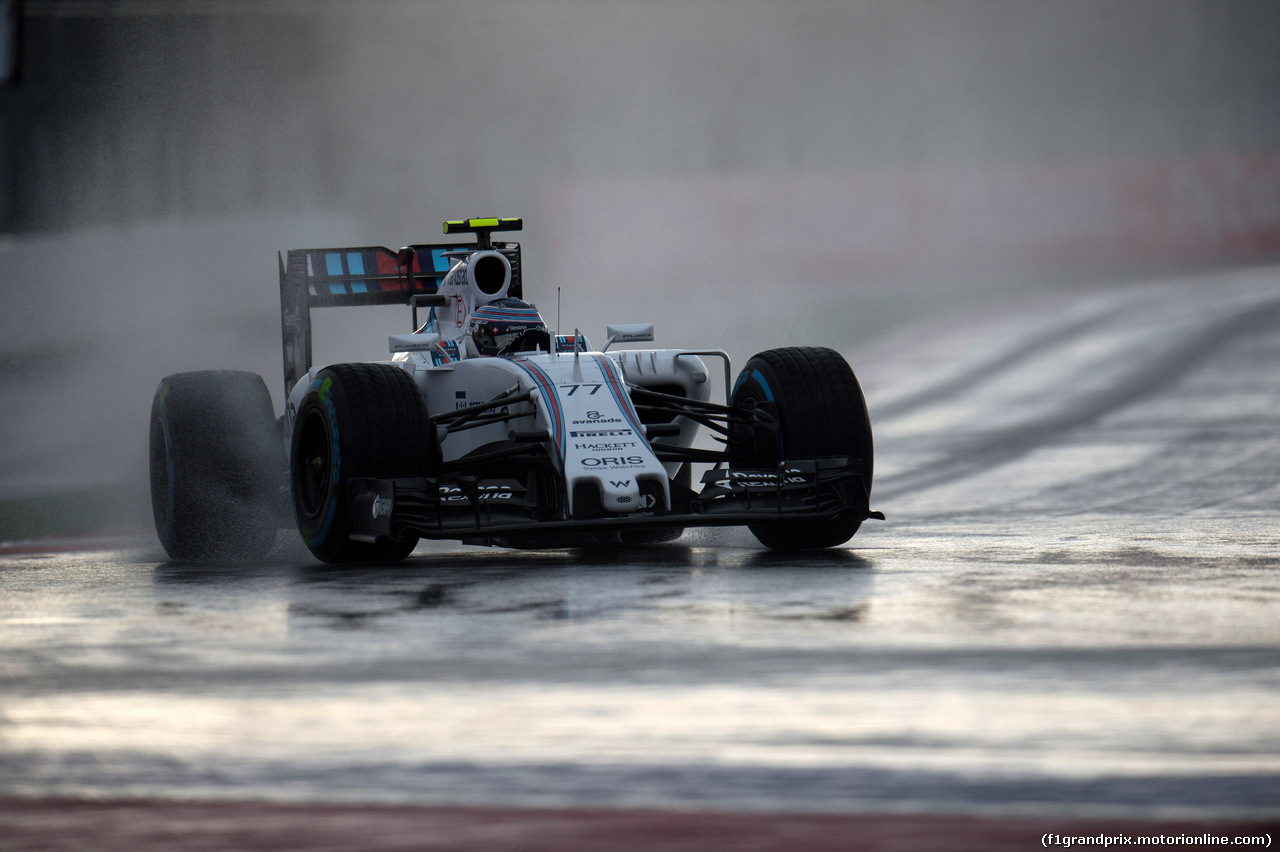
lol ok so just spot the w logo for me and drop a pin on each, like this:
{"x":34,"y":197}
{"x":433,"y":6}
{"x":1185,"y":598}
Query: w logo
{"x":624,"y":483}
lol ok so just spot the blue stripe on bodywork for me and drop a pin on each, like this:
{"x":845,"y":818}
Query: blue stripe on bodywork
{"x":619,"y":392}
{"x":333,"y":263}
{"x":548,"y":390}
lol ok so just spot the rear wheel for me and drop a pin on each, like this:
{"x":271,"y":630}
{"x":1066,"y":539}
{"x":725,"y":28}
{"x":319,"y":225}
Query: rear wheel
{"x":821,"y":412}
{"x":356,"y":420}
{"x":217,"y":466}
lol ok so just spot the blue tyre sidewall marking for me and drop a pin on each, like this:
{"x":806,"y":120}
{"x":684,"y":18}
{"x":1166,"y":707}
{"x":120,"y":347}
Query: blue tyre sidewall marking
{"x":167,"y":535}
{"x":333,"y":473}
{"x":758,"y":378}
{"x":755,"y":374}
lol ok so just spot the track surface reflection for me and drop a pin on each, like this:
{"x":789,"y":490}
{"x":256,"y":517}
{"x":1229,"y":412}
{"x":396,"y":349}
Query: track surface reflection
{"x":1071,"y":607}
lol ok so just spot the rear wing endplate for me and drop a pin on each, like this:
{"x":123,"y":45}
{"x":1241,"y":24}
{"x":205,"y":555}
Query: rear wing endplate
{"x":363,"y":275}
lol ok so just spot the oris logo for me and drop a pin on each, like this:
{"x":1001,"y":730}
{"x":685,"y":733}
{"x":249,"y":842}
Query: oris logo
{"x":613,"y":461}
{"x":382,"y":507}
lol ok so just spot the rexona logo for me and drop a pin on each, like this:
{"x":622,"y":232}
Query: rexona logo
{"x":762,"y":478}
{"x":600,"y":433}
{"x":454,"y":494}
{"x":381,"y":507}
{"x":613,"y":461}
{"x":605,"y":447}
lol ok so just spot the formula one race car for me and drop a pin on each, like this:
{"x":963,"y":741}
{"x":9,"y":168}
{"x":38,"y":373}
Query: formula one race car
{"x":486,"y":427}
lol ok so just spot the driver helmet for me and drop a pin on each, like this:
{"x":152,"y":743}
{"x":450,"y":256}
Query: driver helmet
{"x":497,"y":325}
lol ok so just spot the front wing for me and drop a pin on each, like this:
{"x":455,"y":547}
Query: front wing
{"x":531,"y":509}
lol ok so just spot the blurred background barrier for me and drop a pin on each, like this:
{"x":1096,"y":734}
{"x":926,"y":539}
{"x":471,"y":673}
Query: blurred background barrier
{"x":833,"y":226}
{"x":869,"y":137}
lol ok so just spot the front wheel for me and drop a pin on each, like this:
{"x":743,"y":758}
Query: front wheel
{"x":356,"y":420}
{"x":821,"y":412}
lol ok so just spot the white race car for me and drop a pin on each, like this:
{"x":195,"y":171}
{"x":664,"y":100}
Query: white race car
{"x":485,"y":427}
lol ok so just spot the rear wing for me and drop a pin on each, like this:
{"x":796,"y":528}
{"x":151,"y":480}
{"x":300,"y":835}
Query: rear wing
{"x":362,"y":275}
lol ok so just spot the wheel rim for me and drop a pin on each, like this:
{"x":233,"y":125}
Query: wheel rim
{"x":764,"y":456}
{"x":313,"y":466}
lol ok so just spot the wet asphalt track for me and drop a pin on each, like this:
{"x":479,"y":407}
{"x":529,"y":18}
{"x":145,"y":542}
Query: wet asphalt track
{"x":1073,"y":611}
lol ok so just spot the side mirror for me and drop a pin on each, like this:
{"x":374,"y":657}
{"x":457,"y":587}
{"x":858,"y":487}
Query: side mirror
{"x":636,"y":332}
{"x":422,"y":300}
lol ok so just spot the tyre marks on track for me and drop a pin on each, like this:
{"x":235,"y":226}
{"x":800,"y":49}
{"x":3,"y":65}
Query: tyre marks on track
{"x":961,"y":456}
{"x":989,"y":368}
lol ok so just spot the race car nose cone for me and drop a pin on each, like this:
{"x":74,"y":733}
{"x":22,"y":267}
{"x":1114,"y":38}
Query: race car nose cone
{"x":620,"y":494}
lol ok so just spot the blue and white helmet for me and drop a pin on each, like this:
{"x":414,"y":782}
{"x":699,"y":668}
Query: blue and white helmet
{"x":494,"y":328}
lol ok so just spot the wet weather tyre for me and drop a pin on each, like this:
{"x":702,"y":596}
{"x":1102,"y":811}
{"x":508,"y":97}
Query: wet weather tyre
{"x":821,"y":412}
{"x":217,"y":466}
{"x":356,"y":420}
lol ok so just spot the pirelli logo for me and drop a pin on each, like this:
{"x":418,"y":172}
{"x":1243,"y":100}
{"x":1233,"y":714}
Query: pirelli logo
{"x":600,"y":433}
